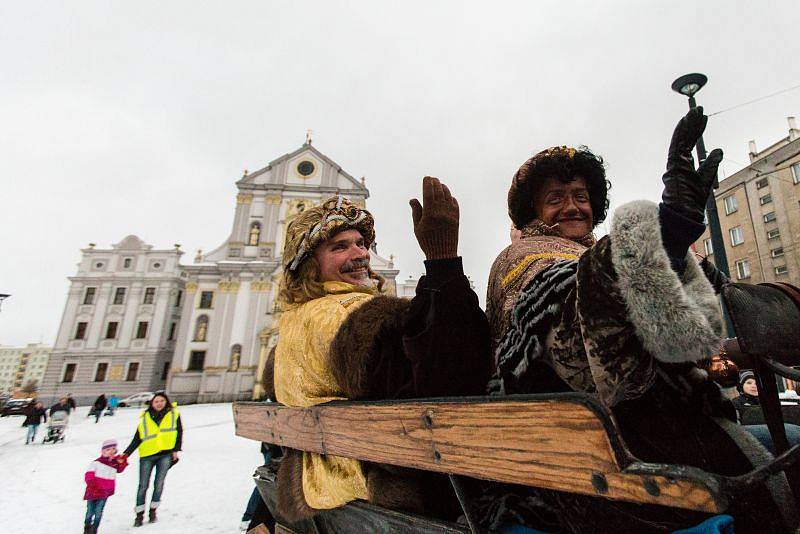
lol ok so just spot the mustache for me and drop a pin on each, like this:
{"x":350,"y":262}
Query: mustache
{"x":354,"y":265}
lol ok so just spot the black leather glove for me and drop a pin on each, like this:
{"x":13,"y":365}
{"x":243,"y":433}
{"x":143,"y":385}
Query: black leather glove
{"x":686,"y":190}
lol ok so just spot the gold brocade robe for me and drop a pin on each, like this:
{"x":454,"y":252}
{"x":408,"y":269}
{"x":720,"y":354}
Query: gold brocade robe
{"x":303,"y":378}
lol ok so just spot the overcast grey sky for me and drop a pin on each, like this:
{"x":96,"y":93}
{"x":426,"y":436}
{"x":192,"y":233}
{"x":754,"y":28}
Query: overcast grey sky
{"x":122,"y":118}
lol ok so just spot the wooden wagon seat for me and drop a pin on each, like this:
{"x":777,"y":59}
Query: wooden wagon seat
{"x":566,"y":442}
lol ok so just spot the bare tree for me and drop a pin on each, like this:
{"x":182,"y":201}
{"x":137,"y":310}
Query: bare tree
{"x":31,"y":386}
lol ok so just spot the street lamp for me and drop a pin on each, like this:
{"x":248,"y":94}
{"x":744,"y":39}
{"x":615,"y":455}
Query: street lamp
{"x":688,"y":85}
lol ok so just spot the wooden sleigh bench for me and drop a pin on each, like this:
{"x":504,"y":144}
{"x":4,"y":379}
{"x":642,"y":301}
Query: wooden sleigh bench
{"x":566,"y":442}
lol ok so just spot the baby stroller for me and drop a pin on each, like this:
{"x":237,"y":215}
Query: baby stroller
{"x":56,"y":427}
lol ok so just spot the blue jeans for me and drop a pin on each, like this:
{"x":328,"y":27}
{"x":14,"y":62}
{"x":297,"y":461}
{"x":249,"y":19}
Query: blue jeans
{"x":31,"y":433}
{"x":94,"y":511}
{"x":761,"y":433}
{"x":162,"y":463}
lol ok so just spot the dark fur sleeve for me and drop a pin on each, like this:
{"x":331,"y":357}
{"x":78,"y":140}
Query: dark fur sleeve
{"x":367,"y":357}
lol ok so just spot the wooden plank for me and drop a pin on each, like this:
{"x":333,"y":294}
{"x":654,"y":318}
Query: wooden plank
{"x":555,"y":444}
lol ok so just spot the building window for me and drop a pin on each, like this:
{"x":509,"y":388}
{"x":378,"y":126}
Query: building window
{"x":149,"y":295}
{"x":762,"y":183}
{"x":88,"y":297}
{"x":69,"y":372}
{"x":731,"y":206}
{"x":111,"y":330}
{"x":796,"y":173}
{"x":80,"y":330}
{"x":133,"y":372}
{"x":126,"y":263}
{"x":178,"y":298}
{"x":197,"y":359}
{"x":781,"y":269}
{"x":708,"y":247}
{"x":165,"y":371}
{"x":777,"y":252}
{"x":769,"y":217}
{"x":254,"y":235}
{"x":766,"y":199}
{"x":201,"y":328}
{"x":100,"y":372}
{"x":737,"y":236}
{"x":206,"y":299}
{"x":119,"y":295}
{"x":742,"y":269}
{"x":141,"y":330}
{"x":772,"y":234}
{"x":172,"y":328}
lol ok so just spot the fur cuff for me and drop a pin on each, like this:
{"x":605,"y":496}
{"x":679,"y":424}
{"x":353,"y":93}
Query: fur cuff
{"x":677,"y":320}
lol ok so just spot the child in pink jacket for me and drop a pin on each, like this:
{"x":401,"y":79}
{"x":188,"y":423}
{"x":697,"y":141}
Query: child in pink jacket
{"x":100,"y":479}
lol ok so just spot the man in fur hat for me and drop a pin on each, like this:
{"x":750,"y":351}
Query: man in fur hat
{"x":341,"y":339}
{"x":624,"y":318}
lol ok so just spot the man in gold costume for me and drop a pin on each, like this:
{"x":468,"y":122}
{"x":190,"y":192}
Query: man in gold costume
{"x":340,"y":338}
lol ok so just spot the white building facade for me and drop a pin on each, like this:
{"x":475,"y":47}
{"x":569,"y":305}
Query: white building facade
{"x":119,"y":327}
{"x":22,"y":367}
{"x":228,"y":323}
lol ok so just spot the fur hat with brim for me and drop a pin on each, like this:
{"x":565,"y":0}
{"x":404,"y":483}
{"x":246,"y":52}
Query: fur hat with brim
{"x":316,"y":225}
{"x":564,"y":163}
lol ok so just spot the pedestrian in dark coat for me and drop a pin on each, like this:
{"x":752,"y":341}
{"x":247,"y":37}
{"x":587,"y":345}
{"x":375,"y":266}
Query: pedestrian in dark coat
{"x":99,"y":405}
{"x":61,"y":406}
{"x":71,"y":403}
{"x":35,"y":414}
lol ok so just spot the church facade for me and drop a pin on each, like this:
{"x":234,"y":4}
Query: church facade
{"x":228,"y":324}
{"x":136,"y":319}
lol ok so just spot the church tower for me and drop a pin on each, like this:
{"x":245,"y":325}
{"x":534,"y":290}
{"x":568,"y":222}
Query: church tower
{"x":228,"y":322}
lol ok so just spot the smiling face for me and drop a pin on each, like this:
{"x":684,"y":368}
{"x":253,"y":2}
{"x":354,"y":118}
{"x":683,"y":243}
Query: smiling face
{"x":108,"y":452}
{"x":344,"y":258}
{"x":565,"y":204}
{"x":158,"y":403}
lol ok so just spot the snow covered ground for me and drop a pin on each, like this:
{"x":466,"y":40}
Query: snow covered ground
{"x":42,"y":485}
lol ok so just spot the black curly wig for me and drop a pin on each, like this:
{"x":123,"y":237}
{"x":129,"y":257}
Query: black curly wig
{"x":565,"y":164}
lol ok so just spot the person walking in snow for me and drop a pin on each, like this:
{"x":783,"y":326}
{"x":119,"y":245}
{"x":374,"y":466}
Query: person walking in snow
{"x":158,"y":437}
{"x":99,"y":405}
{"x":100,"y":480}
{"x":113,"y":403}
{"x":71,"y":403}
{"x":34,"y":414}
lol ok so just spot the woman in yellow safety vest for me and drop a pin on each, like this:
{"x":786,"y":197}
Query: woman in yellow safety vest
{"x":158,"y":437}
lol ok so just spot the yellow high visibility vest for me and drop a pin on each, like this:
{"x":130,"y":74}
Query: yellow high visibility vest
{"x":156,"y":438}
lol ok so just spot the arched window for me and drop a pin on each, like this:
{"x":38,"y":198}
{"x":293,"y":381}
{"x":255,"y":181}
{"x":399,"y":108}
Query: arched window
{"x":201,"y":328}
{"x":255,"y":234}
{"x":236,"y":356}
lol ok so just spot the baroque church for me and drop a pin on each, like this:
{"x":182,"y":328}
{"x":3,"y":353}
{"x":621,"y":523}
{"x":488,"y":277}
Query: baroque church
{"x":202,"y":331}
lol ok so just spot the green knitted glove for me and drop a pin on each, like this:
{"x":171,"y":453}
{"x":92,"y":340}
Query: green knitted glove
{"x":436,"y":223}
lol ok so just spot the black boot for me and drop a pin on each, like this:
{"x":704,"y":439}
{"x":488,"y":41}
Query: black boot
{"x":139,"y":519}
{"x":87,"y":529}
{"x":152,"y":515}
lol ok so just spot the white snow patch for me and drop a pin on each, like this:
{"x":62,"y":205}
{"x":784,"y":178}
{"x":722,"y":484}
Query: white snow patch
{"x":207,"y":491}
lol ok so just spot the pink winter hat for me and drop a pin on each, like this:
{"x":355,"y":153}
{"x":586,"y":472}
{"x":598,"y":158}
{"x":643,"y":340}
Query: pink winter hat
{"x":109,"y":443}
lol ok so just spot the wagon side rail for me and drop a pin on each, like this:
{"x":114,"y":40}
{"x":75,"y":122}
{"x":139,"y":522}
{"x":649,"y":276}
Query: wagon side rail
{"x":566,"y":442}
